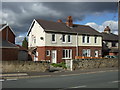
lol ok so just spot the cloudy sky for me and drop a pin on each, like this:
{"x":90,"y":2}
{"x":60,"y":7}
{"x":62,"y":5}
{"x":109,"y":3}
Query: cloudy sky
{"x":19,"y":15}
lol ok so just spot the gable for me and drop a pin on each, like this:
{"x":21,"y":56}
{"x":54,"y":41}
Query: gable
{"x":4,"y":26}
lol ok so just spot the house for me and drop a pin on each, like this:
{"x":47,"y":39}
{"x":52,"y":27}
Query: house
{"x":8,"y":49}
{"x":59,"y":41}
{"x":6,"y":33}
{"x":110,"y":42}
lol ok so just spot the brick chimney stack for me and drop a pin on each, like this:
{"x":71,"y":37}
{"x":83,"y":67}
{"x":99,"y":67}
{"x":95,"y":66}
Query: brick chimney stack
{"x":107,"y":30}
{"x":59,"y":20}
{"x":69,"y":21}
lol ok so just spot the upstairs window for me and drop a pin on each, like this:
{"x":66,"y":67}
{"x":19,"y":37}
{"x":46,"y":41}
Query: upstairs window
{"x":63,"y":38}
{"x":53,"y":38}
{"x":69,"y":38}
{"x":83,"y":39}
{"x":34,"y":39}
{"x":95,"y":39}
{"x":88,"y":39}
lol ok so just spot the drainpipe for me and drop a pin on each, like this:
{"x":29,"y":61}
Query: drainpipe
{"x":77,"y":45}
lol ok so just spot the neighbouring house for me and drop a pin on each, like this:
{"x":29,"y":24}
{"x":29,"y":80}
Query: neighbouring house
{"x":110,"y":42}
{"x":59,"y":41}
{"x":9,"y":51}
{"x":6,"y":33}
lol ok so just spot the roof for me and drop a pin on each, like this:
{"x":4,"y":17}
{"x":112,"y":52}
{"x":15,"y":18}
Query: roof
{"x":21,"y":48}
{"x":2,"y":26}
{"x":7,"y":44}
{"x":109,"y":36}
{"x":60,"y":27}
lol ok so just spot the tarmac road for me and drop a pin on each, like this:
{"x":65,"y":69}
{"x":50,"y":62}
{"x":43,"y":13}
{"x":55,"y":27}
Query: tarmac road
{"x":101,"y":79}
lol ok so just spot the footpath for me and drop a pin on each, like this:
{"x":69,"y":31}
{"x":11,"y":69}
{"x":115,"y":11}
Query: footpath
{"x":50,"y":73}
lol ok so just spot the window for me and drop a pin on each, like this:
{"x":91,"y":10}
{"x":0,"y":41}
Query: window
{"x":69,"y":38}
{"x":53,"y":38}
{"x":34,"y":39}
{"x":83,"y":39}
{"x":48,"y":53}
{"x":114,"y":44}
{"x":95,"y":39}
{"x":63,"y":38}
{"x":88,"y":39}
{"x":67,"y":53}
{"x":86,"y":52}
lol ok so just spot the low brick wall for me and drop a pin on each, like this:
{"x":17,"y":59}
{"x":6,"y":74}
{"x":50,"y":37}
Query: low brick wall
{"x":95,"y":63}
{"x":24,"y":66}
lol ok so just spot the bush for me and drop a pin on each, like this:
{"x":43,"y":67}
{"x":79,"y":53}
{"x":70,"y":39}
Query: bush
{"x":62,"y":64}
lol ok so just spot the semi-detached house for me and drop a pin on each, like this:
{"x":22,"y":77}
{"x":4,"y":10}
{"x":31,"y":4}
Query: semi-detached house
{"x":59,"y":41}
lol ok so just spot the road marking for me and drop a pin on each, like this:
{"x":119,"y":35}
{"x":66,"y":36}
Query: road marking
{"x":11,"y":79}
{"x":79,"y":86}
{"x":1,"y":80}
{"x":115,"y":81}
{"x":17,"y":74}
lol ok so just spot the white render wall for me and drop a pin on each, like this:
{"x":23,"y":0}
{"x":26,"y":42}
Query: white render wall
{"x":91,"y":43}
{"x":37,"y":31}
{"x":48,"y":40}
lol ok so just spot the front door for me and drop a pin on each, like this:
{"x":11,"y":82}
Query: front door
{"x":54,"y":56}
{"x":96,"y":53}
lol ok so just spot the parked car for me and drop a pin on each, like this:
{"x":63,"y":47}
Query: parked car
{"x":110,"y":56}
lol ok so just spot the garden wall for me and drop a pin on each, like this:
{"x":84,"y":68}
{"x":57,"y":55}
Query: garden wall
{"x":94,"y":63}
{"x":24,"y":66}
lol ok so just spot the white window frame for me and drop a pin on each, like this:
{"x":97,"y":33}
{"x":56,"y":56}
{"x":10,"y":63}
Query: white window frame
{"x":88,"y":52}
{"x":70,"y":38}
{"x":48,"y":54}
{"x":36,"y":53}
{"x":64,"y":38}
{"x":52,"y":38}
{"x":68,"y":53}
{"x":84,"y":38}
{"x":95,"y":39}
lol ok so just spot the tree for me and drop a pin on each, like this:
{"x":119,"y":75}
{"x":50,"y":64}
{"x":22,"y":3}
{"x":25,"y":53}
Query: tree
{"x":25,"y":43}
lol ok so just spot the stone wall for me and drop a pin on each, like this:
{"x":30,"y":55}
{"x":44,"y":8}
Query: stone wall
{"x":94,"y":63}
{"x":24,"y":66}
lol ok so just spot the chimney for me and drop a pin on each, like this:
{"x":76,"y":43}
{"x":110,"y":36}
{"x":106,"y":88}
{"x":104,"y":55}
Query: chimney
{"x":69,"y":21}
{"x":59,"y":20}
{"x":107,"y":29}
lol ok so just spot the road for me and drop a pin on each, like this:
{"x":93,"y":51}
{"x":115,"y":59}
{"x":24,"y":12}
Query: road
{"x":108,"y":79}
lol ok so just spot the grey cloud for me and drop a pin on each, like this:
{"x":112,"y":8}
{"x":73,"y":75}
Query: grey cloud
{"x":20,"y":15}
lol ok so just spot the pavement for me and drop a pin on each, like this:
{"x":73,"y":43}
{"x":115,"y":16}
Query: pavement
{"x":53,"y":72}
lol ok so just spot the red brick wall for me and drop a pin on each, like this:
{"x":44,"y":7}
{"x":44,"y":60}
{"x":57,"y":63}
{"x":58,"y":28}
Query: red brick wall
{"x":11,"y":36}
{"x":9,"y":53}
{"x":42,"y":52}
{"x":92,"y":50}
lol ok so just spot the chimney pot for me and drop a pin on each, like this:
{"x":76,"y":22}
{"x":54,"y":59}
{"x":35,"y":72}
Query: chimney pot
{"x":59,"y":20}
{"x":69,"y":21}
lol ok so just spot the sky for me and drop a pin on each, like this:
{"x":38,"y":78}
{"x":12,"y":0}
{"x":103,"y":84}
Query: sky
{"x":19,"y":15}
